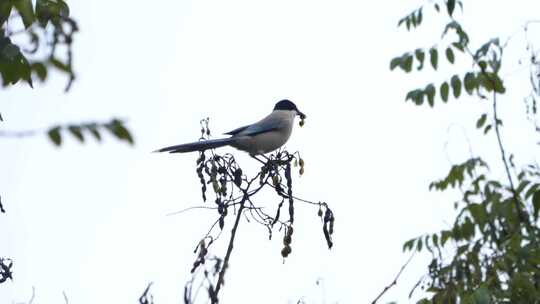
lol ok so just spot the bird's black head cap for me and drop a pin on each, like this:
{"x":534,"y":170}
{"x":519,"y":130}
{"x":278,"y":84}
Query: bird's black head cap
{"x":285,"y":104}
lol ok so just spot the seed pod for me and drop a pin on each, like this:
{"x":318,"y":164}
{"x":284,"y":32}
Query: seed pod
{"x":287,"y":240}
{"x":275,"y":180}
{"x":286,"y":251}
{"x":290,"y":230}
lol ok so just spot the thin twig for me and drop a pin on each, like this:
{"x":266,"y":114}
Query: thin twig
{"x":395,"y":279}
{"x":19,"y":134}
{"x":229,"y":248}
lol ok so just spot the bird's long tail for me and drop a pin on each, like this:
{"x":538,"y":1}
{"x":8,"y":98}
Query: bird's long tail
{"x":197,"y":146}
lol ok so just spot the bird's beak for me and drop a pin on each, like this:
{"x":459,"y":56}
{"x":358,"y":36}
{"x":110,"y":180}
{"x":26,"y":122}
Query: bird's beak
{"x":302,"y":115}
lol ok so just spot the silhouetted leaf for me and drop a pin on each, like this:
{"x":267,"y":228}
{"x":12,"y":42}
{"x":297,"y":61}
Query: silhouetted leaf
{"x":407,"y":63}
{"x":5,"y":11}
{"x":444,"y":91}
{"x":469,"y":82}
{"x":417,"y":96}
{"x":481,"y":121}
{"x":54,"y":136}
{"x":25,"y":9}
{"x":450,"y":55}
{"x":419,"y":53}
{"x":456,"y":86}
{"x":498,"y":84}
{"x":430,"y":93}
{"x":40,"y":70}
{"x":60,"y":65}
{"x":450,"y":6}
{"x":536,"y":203}
{"x":395,"y":63}
{"x":117,"y":128}
{"x":434,"y":57}
{"x":94,"y":131}
{"x":76,"y":132}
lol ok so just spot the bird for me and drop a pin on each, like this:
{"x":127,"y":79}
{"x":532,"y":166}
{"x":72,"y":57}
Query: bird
{"x":264,"y":136}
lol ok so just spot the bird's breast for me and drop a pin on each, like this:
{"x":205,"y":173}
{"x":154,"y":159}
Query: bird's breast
{"x":264,"y":142}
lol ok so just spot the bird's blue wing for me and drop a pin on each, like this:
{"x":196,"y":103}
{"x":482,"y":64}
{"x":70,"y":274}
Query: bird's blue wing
{"x":237,"y":130}
{"x":256,"y":128}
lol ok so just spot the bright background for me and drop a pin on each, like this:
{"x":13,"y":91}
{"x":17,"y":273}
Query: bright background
{"x":91,"y":220}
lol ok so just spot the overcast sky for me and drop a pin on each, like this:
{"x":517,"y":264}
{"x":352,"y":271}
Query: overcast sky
{"x":91,"y":220}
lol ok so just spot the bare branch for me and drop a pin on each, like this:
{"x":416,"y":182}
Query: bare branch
{"x":394,"y":282}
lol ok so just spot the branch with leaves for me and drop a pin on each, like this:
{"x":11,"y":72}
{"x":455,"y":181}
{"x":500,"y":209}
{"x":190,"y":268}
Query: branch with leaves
{"x":49,"y":30}
{"x":80,"y":131}
{"x":491,"y":253}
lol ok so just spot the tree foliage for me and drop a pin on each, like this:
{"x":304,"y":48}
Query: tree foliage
{"x":35,"y":39}
{"x":491,"y":253}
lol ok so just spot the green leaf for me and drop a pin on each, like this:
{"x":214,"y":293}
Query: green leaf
{"x":444,"y":91}
{"x":48,"y":10}
{"x":487,"y":129}
{"x":417,"y":96}
{"x":470,"y":83}
{"x":445,"y":235}
{"x":498,"y":85}
{"x":117,"y":128}
{"x":408,"y":244}
{"x":430,"y":92}
{"x":407,"y":63}
{"x":26,"y":11}
{"x":5,"y":10}
{"x":9,"y":50}
{"x":483,"y":65}
{"x":94,"y":131}
{"x":419,"y":53}
{"x":395,"y":63}
{"x":458,"y":46}
{"x":482,"y":296}
{"x":481,"y":121}
{"x":450,"y":55}
{"x":76,"y":132}
{"x":25,"y":70}
{"x":54,"y":135}
{"x":433,"y":55}
{"x":478,"y":213}
{"x":456,"y":85}
{"x":450,"y":6}
{"x":60,"y":65}
{"x":532,"y":190}
{"x":536,"y":203}
{"x":40,"y":70}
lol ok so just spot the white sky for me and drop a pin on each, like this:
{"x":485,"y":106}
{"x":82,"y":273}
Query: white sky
{"x":90,"y":219}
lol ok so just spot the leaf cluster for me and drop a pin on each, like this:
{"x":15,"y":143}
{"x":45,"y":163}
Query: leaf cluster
{"x":31,"y":37}
{"x":81,"y":131}
{"x":491,"y":252}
